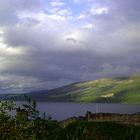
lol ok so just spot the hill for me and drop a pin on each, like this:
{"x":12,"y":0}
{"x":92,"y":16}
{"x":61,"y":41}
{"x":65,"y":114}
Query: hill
{"x":115,"y":90}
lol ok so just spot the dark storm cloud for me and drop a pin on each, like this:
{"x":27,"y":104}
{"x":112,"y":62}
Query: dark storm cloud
{"x":46,"y":51}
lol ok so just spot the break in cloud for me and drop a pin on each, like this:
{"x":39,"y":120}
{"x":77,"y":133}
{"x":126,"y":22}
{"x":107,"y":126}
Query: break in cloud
{"x":48,"y":43}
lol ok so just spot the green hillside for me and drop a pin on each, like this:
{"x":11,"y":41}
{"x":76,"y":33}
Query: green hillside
{"x":120,"y":90}
{"x":115,"y":90}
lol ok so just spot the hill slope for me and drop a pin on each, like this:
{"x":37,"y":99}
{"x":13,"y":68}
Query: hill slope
{"x":116,"y":90}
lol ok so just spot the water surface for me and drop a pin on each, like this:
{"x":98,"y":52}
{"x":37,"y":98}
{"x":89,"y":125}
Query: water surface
{"x":60,"y":111}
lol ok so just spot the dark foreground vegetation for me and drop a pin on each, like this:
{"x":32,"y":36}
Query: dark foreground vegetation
{"x":27,"y":125}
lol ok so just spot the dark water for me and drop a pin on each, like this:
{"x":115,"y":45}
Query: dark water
{"x":60,"y":111}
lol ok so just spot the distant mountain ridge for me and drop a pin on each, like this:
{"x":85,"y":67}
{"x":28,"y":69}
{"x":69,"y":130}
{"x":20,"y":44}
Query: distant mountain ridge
{"x":108,"y":90}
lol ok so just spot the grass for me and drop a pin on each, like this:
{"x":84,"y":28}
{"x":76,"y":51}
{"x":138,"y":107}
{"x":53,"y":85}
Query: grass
{"x":120,"y":90}
{"x":115,"y":90}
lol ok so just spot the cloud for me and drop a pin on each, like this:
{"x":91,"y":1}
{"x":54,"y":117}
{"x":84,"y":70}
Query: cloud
{"x":46,"y":44}
{"x":99,"y":11}
{"x":57,"y":3}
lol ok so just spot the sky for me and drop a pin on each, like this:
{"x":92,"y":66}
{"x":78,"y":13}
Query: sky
{"x":46,"y":44}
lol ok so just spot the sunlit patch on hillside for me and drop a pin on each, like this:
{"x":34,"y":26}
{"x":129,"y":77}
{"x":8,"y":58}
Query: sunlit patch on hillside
{"x":108,"y":95}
